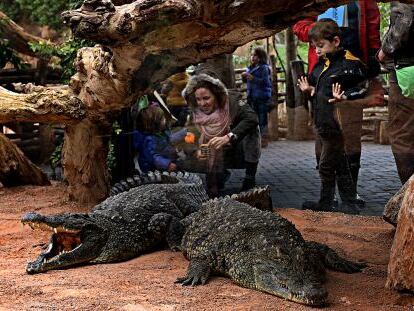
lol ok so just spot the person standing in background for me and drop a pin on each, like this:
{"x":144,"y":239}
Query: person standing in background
{"x":259,"y":88}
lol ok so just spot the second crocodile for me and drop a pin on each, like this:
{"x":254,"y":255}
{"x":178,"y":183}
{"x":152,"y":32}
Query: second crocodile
{"x":258,"y":250}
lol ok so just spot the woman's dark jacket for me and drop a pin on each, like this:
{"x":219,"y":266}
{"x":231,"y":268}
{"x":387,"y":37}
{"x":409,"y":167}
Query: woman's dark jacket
{"x":349,"y":72}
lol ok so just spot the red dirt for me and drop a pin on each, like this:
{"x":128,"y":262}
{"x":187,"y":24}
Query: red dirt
{"x":147,"y":282}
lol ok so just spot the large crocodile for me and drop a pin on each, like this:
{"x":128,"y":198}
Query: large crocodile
{"x":142,"y":214}
{"x":123,"y":226}
{"x":258,"y":250}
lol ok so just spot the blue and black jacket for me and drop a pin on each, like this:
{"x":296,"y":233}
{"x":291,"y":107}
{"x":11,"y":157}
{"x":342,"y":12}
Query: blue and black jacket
{"x":261,"y":86}
{"x":350,"y":73}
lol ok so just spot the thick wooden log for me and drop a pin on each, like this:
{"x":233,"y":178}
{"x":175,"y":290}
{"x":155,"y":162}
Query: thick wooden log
{"x":84,"y":154}
{"x":401,"y":266}
{"x":16,"y":169}
{"x":42,"y":105}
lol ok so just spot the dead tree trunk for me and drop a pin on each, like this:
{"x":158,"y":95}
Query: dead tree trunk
{"x":84,"y":160}
{"x":16,"y":169}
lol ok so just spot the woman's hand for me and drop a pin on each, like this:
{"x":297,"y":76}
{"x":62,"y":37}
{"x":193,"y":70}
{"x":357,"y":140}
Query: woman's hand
{"x":218,"y":142}
{"x":338,"y":96}
{"x":200,"y":156}
{"x":304,"y":85}
{"x":172,"y":167}
{"x":247,"y":76}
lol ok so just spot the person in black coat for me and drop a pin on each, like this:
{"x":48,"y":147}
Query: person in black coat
{"x":336,"y":77}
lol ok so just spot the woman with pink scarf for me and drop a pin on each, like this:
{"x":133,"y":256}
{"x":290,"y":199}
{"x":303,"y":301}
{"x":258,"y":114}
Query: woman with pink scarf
{"x":227,"y":129}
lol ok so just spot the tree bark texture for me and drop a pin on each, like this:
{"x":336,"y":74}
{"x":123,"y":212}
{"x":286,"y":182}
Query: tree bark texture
{"x":401,"y":265}
{"x":41,"y":105}
{"x":84,"y":156}
{"x":16,"y":169}
{"x":141,"y":43}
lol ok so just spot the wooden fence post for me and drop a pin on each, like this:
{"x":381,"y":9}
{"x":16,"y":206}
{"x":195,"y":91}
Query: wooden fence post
{"x":301,"y":125}
{"x":273,"y":117}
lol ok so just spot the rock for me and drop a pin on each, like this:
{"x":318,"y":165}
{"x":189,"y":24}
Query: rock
{"x":393,"y":206}
{"x":401,"y":265}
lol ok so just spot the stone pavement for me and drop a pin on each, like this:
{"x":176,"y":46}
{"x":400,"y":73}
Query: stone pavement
{"x":289,"y":168}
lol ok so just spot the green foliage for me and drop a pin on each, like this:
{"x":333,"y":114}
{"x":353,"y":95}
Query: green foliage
{"x":111,"y":158}
{"x":56,"y":157}
{"x":7,"y":54}
{"x":42,"y":12}
{"x":66,"y":52}
{"x":385,"y":11}
{"x":240,"y":61}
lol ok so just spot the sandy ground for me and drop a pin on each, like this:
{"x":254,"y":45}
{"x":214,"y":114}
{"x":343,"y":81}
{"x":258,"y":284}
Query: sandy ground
{"x":147,"y":282}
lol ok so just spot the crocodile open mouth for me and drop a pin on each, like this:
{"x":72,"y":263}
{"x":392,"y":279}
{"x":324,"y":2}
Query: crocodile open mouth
{"x":62,"y":241}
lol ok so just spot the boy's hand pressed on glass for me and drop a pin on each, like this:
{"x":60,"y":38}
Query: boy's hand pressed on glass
{"x":305,"y":86}
{"x":337,"y":95}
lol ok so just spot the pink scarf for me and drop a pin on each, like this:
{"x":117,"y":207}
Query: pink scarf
{"x":213,"y":125}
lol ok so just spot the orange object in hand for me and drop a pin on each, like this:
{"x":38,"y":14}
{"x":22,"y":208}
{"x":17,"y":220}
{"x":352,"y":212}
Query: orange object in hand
{"x":189,"y":138}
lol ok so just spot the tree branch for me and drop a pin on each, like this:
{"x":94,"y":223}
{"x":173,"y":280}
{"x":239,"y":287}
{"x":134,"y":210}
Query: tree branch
{"x":42,"y":105}
{"x":18,"y":38}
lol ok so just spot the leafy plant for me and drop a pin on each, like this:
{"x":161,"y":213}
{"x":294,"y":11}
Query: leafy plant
{"x":41,"y":12}
{"x":66,"y":52}
{"x":56,"y":157}
{"x":385,"y":11}
{"x":7,"y":54}
{"x":111,"y":158}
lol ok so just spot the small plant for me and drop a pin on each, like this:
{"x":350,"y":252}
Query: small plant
{"x":111,"y":158}
{"x":7,"y":54}
{"x":66,"y":52}
{"x":56,"y":158}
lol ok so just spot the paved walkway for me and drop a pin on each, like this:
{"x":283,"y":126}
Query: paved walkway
{"x":289,"y":168}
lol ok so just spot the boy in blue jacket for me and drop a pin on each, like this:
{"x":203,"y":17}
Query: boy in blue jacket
{"x":336,"y":77}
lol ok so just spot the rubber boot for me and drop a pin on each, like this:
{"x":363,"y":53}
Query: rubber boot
{"x":326,"y":200}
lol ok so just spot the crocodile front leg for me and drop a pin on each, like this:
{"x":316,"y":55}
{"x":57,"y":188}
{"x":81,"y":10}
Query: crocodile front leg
{"x":198,"y":272}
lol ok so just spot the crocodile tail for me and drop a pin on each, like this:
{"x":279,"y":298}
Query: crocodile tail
{"x":332,"y":260}
{"x":154,"y":177}
{"x":258,"y":197}
{"x":138,"y":180}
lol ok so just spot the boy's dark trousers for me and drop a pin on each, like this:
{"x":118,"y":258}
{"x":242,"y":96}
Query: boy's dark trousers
{"x":333,"y":166}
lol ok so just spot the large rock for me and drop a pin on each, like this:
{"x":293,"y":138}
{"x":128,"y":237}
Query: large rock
{"x":393,"y":206}
{"x":401,"y":265}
